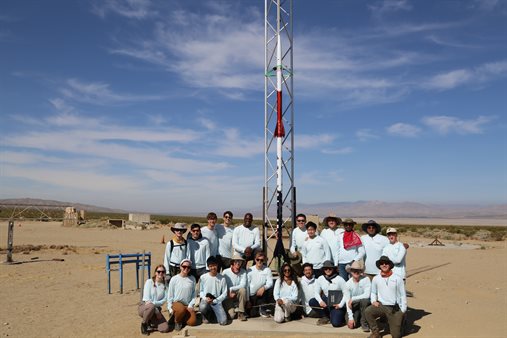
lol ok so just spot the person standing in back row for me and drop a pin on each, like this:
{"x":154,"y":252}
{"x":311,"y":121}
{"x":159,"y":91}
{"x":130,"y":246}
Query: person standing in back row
{"x":350,"y":248}
{"x":176,"y":250}
{"x":246,"y":239}
{"x":396,"y":251}
{"x":224,"y":233}
{"x":209,"y":232}
{"x":373,"y":243}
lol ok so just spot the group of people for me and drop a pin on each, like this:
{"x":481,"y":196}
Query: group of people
{"x":344,"y":278}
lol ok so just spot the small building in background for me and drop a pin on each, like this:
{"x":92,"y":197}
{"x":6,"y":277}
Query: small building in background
{"x":140,"y":218}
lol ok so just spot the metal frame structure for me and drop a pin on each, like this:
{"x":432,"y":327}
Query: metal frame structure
{"x":279,"y":194}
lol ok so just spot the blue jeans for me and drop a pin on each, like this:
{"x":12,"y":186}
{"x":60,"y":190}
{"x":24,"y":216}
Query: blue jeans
{"x":342,"y":272}
{"x":336,"y":316}
{"x":218,"y":309}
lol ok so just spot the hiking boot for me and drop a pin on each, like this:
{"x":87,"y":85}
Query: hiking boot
{"x":264,"y":314}
{"x":178,"y":326}
{"x":323,"y":321}
{"x":365,"y":327}
{"x":242,"y":316}
{"x":375,"y":334}
{"x":144,"y":328}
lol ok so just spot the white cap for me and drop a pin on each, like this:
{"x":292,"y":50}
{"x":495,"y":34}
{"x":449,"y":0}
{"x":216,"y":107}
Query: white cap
{"x":391,"y":231}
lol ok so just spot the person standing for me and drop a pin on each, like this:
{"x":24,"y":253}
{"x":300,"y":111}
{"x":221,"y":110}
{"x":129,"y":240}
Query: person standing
{"x":213,"y":291}
{"x":246,"y":239}
{"x":236,"y":279}
{"x":326,"y":309}
{"x":154,"y":296}
{"x":224,"y":233}
{"x":175,"y":250}
{"x":198,"y":251}
{"x":350,"y":248}
{"x":331,"y":235}
{"x":260,"y":281}
{"x":286,"y":294}
{"x":181,"y":297}
{"x":209,"y":232}
{"x":359,"y":287}
{"x":315,"y":249}
{"x":388,"y":299}
{"x":396,"y":251}
{"x":374,"y":242}
{"x":298,"y":235}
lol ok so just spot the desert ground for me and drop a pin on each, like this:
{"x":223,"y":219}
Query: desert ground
{"x":459,"y":289}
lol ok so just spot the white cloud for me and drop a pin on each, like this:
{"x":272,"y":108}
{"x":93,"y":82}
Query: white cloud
{"x":305,"y":141}
{"x":132,"y":9}
{"x":61,"y":105}
{"x":100,"y":93}
{"x":233,"y":144}
{"x":338,"y":151}
{"x":319,"y":178}
{"x":388,"y":6}
{"x":366,"y":135}
{"x":404,"y":130}
{"x":449,"y":124}
{"x":207,"y":123}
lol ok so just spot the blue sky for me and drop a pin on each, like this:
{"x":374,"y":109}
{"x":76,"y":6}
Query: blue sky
{"x":158,"y":105}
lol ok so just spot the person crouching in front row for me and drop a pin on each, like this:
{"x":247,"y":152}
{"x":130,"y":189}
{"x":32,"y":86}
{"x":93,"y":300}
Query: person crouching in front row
{"x":286,"y":294}
{"x":181,"y":297}
{"x":213,"y":291}
{"x":260,"y":285}
{"x":235,"y":277}
{"x":154,"y":296}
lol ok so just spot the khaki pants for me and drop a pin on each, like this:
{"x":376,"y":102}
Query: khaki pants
{"x":283,"y":312}
{"x":152,"y":316}
{"x":182,"y":315}
{"x":239,"y":300}
{"x":394,"y":318}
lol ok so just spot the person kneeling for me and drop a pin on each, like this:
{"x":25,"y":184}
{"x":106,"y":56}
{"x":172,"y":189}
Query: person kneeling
{"x":235,"y":303}
{"x":181,"y":297}
{"x":154,"y":296}
{"x":359,"y":287}
{"x":286,"y":294}
{"x":213,"y":291}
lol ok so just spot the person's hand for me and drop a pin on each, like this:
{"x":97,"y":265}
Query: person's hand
{"x":248,"y":252}
{"x":322,"y":304}
{"x":260,"y":292}
{"x":148,"y":302}
{"x":376,"y":304}
{"x":232,"y":294}
{"x":190,"y":309}
{"x":351,"y":324}
{"x":406,"y":245}
{"x":336,"y":306}
{"x":279,"y":302}
{"x":209,"y":300}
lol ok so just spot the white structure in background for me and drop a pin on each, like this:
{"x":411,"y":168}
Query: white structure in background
{"x":140,"y":218}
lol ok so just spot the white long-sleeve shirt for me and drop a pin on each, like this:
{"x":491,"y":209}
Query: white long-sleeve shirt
{"x":235,"y":281}
{"x":181,"y":289}
{"x":297,"y":240}
{"x":259,"y":278}
{"x":224,"y":235}
{"x":359,"y":290}
{"x":285,"y":291}
{"x":331,"y":237}
{"x":175,"y":255}
{"x":155,"y":292}
{"x":316,"y":251}
{"x":396,"y":253}
{"x":389,"y":291}
{"x":373,"y":247}
{"x":211,"y":235}
{"x":354,"y":253}
{"x":216,"y":285}
{"x":198,"y":252}
{"x":323,"y":286}
{"x":308,"y":292}
{"x":243,"y":237}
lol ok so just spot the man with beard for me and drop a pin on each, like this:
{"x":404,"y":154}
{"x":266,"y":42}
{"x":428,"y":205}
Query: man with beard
{"x":350,"y":248}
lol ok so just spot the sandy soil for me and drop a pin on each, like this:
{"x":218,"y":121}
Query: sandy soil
{"x":458,"y":290}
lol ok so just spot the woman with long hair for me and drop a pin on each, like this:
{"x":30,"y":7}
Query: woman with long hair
{"x":286,"y":294}
{"x":154,"y":296}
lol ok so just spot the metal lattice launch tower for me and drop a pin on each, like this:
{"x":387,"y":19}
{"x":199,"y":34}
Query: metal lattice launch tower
{"x":279,"y":195}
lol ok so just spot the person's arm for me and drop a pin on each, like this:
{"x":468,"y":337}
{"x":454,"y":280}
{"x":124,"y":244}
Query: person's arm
{"x":293,"y":241}
{"x":202,"y":287}
{"x":236,"y":240}
{"x":365,"y":284}
{"x":402,"y":295}
{"x":223,"y":292}
{"x":276,"y":290}
{"x":327,"y":250}
{"x":192,"y":295}
{"x":318,"y":290}
{"x":346,"y":294}
{"x":147,"y":290}
{"x":360,"y":253}
{"x":269,"y":281}
{"x":349,"y":303}
{"x":400,"y":254}
{"x":170,"y":294}
{"x":167,"y":256}
{"x":294,"y":292}
{"x":373,"y":294}
{"x":257,"y":239}
{"x":161,"y":302}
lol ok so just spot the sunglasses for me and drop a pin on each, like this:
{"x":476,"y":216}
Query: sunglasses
{"x":160,"y":271}
{"x":227,"y":217}
{"x":185,"y":266}
{"x":300,"y":220}
{"x":355,"y":271}
{"x":286,"y":270}
{"x":259,"y":260}
{"x":383,"y":263}
{"x":195,"y":230}
{"x":327,"y":268}
{"x":178,"y":230}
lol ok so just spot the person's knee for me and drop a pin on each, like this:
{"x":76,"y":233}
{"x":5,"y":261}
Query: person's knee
{"x":163,"y":327}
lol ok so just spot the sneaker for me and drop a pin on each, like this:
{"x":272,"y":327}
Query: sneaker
{"x":287,"y":319}
{"x":365,"y":327}
{"x":178,"y":326}
{"x":323,"y":321}
{"x":242,"y":316}
{"x":144,"y":328}
{"x":264,"y":314}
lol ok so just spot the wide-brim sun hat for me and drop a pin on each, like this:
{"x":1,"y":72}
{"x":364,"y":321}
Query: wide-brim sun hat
{"x":328,"y":264}
{"x":179,"y":226}
{"x":371,"y":222}
{"x":237,"y":257}
{"x":354,"y":266}
{"x":386,"y":260}
{"x":348,"y":221}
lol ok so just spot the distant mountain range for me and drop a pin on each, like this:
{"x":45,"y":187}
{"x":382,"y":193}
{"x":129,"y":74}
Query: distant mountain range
{"x":359,"y":209}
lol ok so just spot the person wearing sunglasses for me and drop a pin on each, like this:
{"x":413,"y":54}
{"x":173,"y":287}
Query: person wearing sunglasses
{"x":286,"y":294}
{"x":175,"y":250}
{"x":154,"y":296}
{"x":260,"y":285}
{"x":331,"y":296}
{"x":224,"y":233}
{"x":198,"y":251}
{"x":388,"y":299}
{"x":181,"y":297}
{"x":213,"y":291}
{"x":298,"y":236}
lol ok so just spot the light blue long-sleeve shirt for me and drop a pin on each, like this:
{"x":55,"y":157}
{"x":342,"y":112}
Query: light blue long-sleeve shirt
{"x":235,"y":281}
{"x":373,"y":247}
{"x":224,"y":235}
{"x":354,"y":253}
{"x":243,"y":237}
{"x":259,"y":278}
{"x":389,"y":291}
{"x":285,"y":291}
{"x":308,"y":292}
{"x":155,"y":292}
{"x":331,"y":236}
{"x":359,"y":290}
{"x":216,"y":285}
{"x":337,"y":283}
{"x":181,"y":289}
{"x":297,"y":240}
{"x":396,"y":253}
{"x":211,"y":235}
{"x":316,"y":251}
{"x":198,"y":252}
